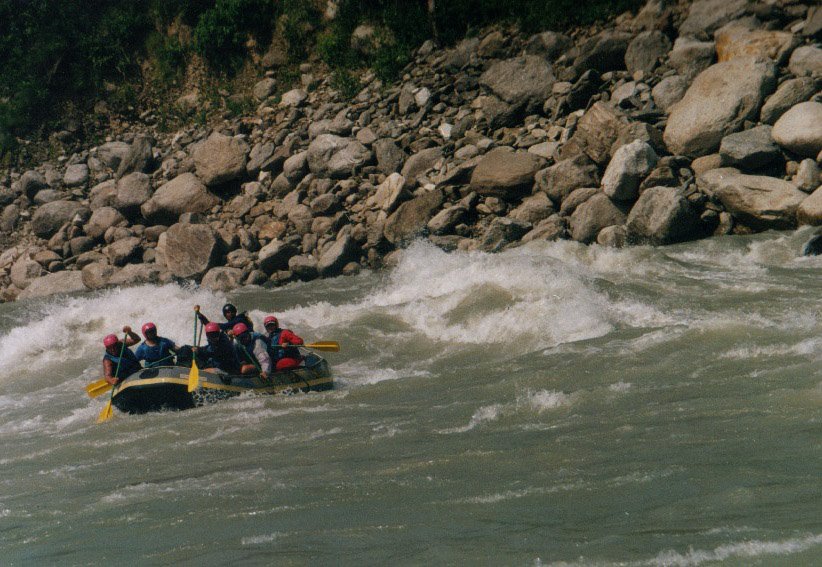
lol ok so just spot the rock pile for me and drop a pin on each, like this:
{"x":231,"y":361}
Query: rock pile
{"x":688,"y":120}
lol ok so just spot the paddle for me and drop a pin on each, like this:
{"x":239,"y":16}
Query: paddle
{"x":329,"y":346}
{"x":194,"y":374}
{"x":108,"y":411}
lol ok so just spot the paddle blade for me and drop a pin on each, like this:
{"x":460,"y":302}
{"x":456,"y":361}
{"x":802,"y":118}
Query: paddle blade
{"x":193,"y":377}
{"x":328,"y":346}
{"x":98,"y":388}
{"x":106,"y":414}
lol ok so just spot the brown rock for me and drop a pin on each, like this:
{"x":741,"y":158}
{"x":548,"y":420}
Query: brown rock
{"x":505,"y":173}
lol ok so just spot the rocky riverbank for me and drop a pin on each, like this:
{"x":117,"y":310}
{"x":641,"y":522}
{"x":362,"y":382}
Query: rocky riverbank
{"x":687,"y":120}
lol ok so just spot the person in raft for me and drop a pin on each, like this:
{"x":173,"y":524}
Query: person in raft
{"x":231,"y":317}
{"x":156,"y":351}
{"x":119,"y":362}
{"x":279,"y":341}
{"x":252,"y":349}
{"x":219,"y":351}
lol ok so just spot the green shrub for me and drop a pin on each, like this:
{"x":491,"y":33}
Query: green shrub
{"x":345,"y":83}
{"x":221,"y":32}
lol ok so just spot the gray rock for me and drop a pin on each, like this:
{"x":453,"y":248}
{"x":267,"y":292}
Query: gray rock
{"x":629,"y":166}
{"x":222,"y":279}
{"x":505,"y":173}
{"x":111,"y":154}
{"x":663,"y":215}
{"x":592,"y":216}
{"x":809,"y":211}
{"x":262,"y":158}
{"x":264,"y":89}
{"x":136,"y":274}
{"x":333,"y":259}
{"x":789,"y":94}
{"x":613,"y":236}
{"x":325,"y":204}
{"x":707,"y":16}
{"x":418,"y":164}
{"x":496,"y":112}
{"x":47,"y":196}
{"x":669,"y":91}
{"x":9,"y":218}
{"x":340,"y":125}
{"x":549,"y":45}
{"x":808,"y":176}
{"x":559,"y":180}
{"x":718,"y":102}
{"x":190,"y":250}
{"x":24,"y":271}
{"x":183,"y":194}
{"x":301,"y":217}
{"x":645,"y":51}
{"x":80,"y":244}
{"x":390,"y":193}
{"x":603,"y":52}
{"x":275,"y":255}
{"x":304,"y":267}
{"x":813,"y":23}
{"x":31,"y":182}
{"x":799,"y":130}
{"x":97,"y":274}
{"x":133,"y":190}
{"x":759,"y":202}
{"x":523,"y":82}
{"x":76,"y":175}
{"x":389,"y":156}
{"x":552,"y":228}
{"x":48,"y":218}
{"x":336,"y":157}
{"x":293,"y":98}
{"x":295,"y":167}
{"x":101,"y":220}
{"x":597,"y":131}
{"x":503,"y":231}
{"x":220,"y":159}
{"x":806,"y":60}
{"x":53,"y":284}
{"x":411,"y":217}
{"x":103,"y":195}
{"x":140,"y":157}
{"x":533,"y":209}
{"x":121,"y":252}
{"x":690,"y":56}
{"x":445,"y":220}
{"x":575,"y":199}
{"x":749,"y":149}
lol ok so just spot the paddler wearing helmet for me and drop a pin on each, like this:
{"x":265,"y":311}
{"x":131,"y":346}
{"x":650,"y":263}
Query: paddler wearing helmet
{"x":231,"y":317}
{"x":119,"y":361}
{"x":252,"y":349}
{"x":219,"y":351}
{"x":155,"y":350}
{"x":279,"y":341}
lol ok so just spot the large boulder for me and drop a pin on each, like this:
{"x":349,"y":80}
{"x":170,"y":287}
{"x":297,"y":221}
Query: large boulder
{"x":220,"y":159}
{"x":76,"y":175}
{"x":603,"y":52}
{"x":789,"y":94}
{"x":222,"y":279}
{"x":389,"y":156}
{"x":31,"y":182}
{"x":669,"y":91}
{"x":336,"y":157}
{"x":690,"y":56}
{"x":50,"y":217}
{"x":190,"y":249}
{"x":629,"y":166}
{"x":523,"y":82}
{"x":183,"y":194}
{"x":503,"y":231}
{"x":275,"y":255}
{"x":663,"y":215}
{"x":418,"y":164}
{"x":595,"y":134}
{"x":97,"y":274}
{"x":718,"y":102}
{"x":809,"y":211}
{"x":738,"y":41}
{"x":749,"y":149}
{"x":800,"y":129}
{"x":390,"y":193}
{"x":111,"y":154}
{"x":707,"y":16}
{"x":504,"y":173}
{"x":411,"y":217}
{"x":334,"y":258}
{"x":806,"y":61}
{"x":135,"y":274}
{"x":133,"y":190}
{"x":592,"y":216}
{"x":24,"y":271}
{"x":123,"y":251}
{"x":645,"y":51}
{"x":562,"y":178}
{"x":549,"y":44}
{"x":533,"y":209}
{"x":757,"y":201}
{"x":101,"y":220}
{"x":52,"y":284}
{"x":140,"y":157}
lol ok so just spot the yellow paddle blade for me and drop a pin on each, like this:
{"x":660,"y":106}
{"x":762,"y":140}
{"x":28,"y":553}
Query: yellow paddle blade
{"x":330,"y":346}
{"x":106,"y":414}
{"x":98,"y":388}
{"x":193,"y":377}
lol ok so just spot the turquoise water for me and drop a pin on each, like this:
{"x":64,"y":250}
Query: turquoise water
{"x":551,"y":405}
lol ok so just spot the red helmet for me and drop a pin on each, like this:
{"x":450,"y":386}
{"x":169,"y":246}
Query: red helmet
{"x":149,"y":327}
{"x":110,"y":340}
{"x":239,"y":329}
{"x":212,"y":328}
{"x":270,"y":319}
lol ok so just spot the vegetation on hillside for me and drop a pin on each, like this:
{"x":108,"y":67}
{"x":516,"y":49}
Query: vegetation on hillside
{"x":55,"y":53}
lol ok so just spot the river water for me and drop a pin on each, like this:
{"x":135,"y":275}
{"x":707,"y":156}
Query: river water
{"x":552,"y":404}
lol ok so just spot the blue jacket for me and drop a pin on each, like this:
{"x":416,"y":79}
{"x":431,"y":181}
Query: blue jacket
{"x":127,"y":367}
{"x":221,"y":354}
{"x":159,"y":353}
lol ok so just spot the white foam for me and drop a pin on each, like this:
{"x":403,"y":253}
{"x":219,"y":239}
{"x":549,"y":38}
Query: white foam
{"x":543,"y":400}
{"x":257,"y":540}
{"x":483,"y":415}
{"x":745,"y":549}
